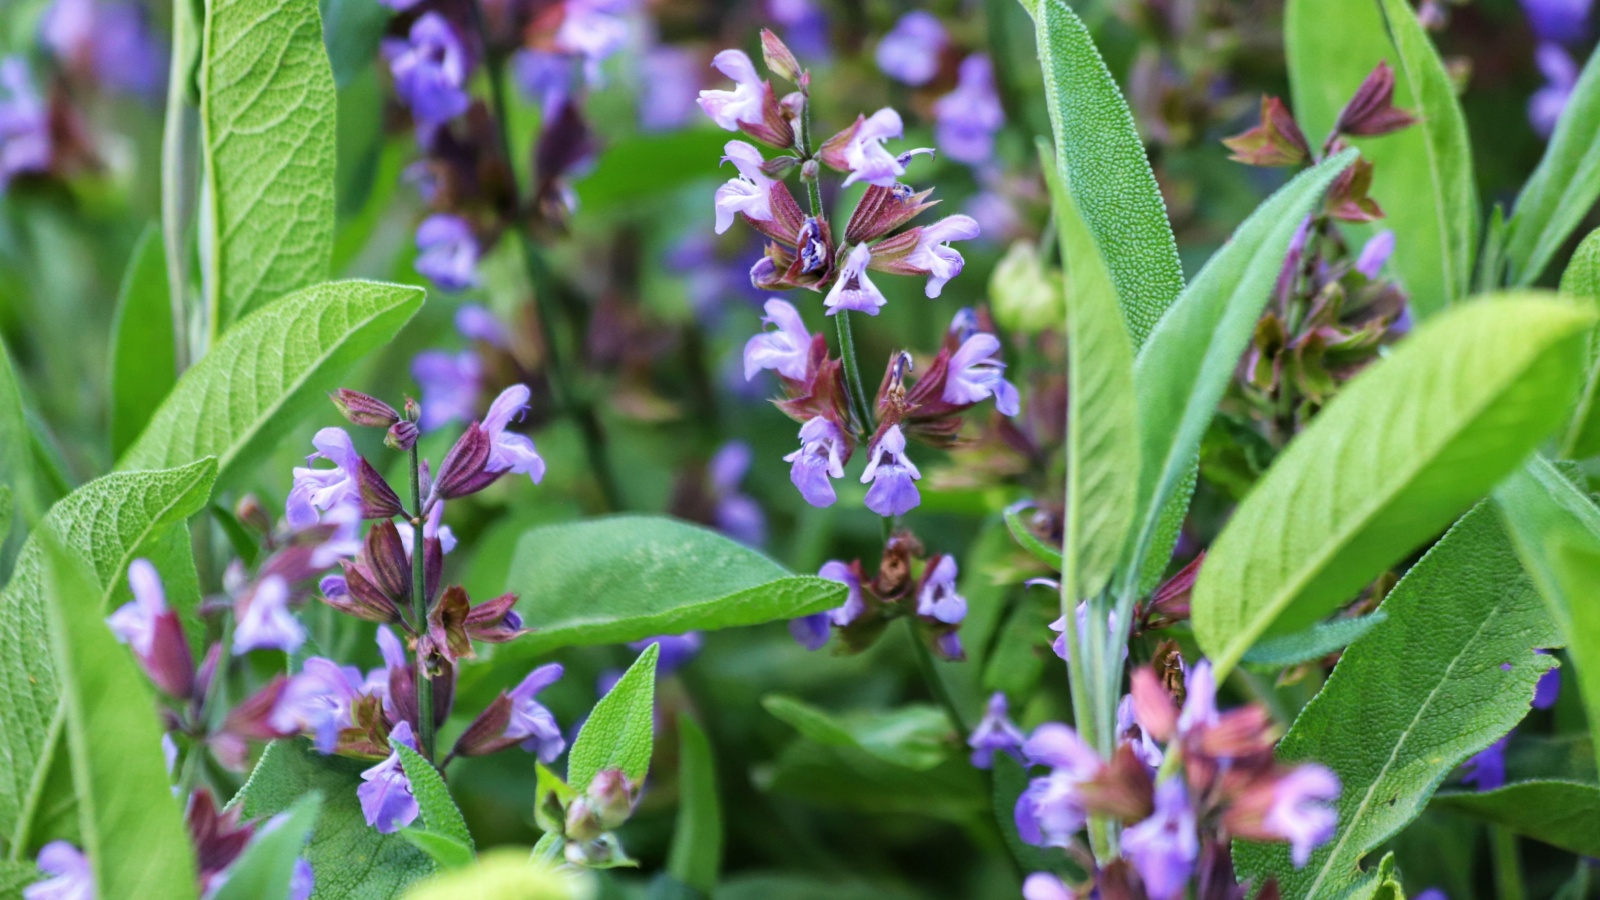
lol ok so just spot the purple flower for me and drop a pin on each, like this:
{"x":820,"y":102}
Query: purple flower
{"x":394,"y":659}
{"x":1487,"y":769}
{"x":1375,"y":253}
{"x":866,"y":157}
{"x":134,"y":623}
{"x":742,"y":104}
{"x":818,"y":460}
{"x":976,"y":373}
{"x":1200,"y":699}
{"x":669,"y":79}
{"x":111,"y":41}
{"x":1059,"y":626}
{"x":1548,"y":689}
{"x":892,"y":475}
{"x":594,"y":30}
{"x":546,"y":77}
{"x":854,"y":290}
{"x":933,"y":253}
{"x":1432,"y":894}
{"x":302,"y":880}
{"x":1044,"y":886}
{"x":25,"y":144}
{"x":810,"y":631}
{"x":447,"y":251}
{"x":430,"y":69}
{"x":267,"y":622}
{"x":909,"y":53}
{"x":511,"y":452}
{"x":1145,"y":749}
{"x":317,"y":699}
{"x":1300,"y":813}
{"x":476,"y":323}
{"x":1164,"y":847}
{"x":530,"y":722}
{"x":676,"y":649}
{"x":73,"y":876}
{"x":385,"y":794}
{"x":854,"y":607}
{"x":736,"y":514}
{"x":806,"y":26}
{"x":937,"y":599}
{"x":786,"y":350}
{"x":1561,"y":77}
{"x":996,"y":216}
{"x":995,"y":732}
{"x":450,"y":384}
{"x":1562,"y":21}
{"x":345,"y":541}
{"x":431,"y":528}
{"x":966,"y":119}
{"x":750,"y":193}
{"x":1051,"y":810}
{"x":323,"y":489}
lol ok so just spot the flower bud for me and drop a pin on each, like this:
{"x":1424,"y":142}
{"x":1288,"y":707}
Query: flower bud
{"x":809,"y":170}
{"x":378,"y":499}
{"x":252,"y":514}
{"x":1026,"y":295}
{"x":778,"y":165}
{"x":1371,"y":111}
{"x":402,"y":436}
{"x":779,"y":58}
{"x":169,"y":663}
{"x":413,"y":410}
{"x":581,"y":823}
{"x":364,"y":410}
{"x":465,"y":469}
{"x":610,"y":796}
{"x":604,"y":852}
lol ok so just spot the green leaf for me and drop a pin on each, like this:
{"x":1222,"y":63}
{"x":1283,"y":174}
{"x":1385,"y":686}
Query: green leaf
{"x":1316,"y":642}
{"x":1452,"y":670}
{"x":14,"y":876}
{"x":268,"y":372}
{"x":1563,"y":188}
{"x":626,"y":578}
{"x":16,"y":439}
{"x":1447,"y":242}
{"x":1404,"y":448}
{"x":447,"y":852}
{"x":1563,"y":814}
{"x":1105,"y":169}
{"x":267,"y":114}
{"x":696,"y":855}
{"x":143,"y":348}
{"x":620,"y":732}
{"x":1581,"y":281}
{"x":264,"y":870}
{"x":439,"y":811}
{"x":1102,"y":419}
{"x":1050,"y":556}
{"x":916,"y":736}
{"x":351,"y":861}
{"x":505,"y":874}
{"x":1187,"y":364}
{"x":633,"y":171}
{"x":130,"y":824}
{"x":108,"y":523}
{"x":351,"y":30}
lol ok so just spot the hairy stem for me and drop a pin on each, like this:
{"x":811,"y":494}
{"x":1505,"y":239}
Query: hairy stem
{"x":419,"y":612}
{"x":859,"y":403}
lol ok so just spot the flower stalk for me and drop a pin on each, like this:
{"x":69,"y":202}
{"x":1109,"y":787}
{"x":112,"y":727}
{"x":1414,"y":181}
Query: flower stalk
{"x":419,"y":613}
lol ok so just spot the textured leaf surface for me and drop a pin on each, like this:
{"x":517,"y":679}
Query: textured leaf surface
{"x":504,"y":874}
{"x":444,"y":850}
{"x":130,"y":824}
{"x":1563,"y":814}
{"x":1563,"y":188}
{"x":16,"y":459}
{"x":696,"y":855}
{"x":439,"y":811}
{"x":351,"y":860}
{"x":1106,"y":169}
{"x":143,"y":362}
{"x":1403,"y":449}
{"x":1451,"y":671}
{"x":269,"y":370}
{"x":620,"y":733}
{"x":1184,"y":368}
{"x":1581,"y":281}
{"x":264,"y":870}
{"x":107,"y":523}
{"x":1315,"y":642}
{"x":627,"y":578}
{"x":915,"y":736}
{"x":267,"y":107}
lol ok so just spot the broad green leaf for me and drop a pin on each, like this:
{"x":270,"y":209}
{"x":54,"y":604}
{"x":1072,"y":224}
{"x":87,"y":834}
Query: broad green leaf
{"x":1563,"y":814}
{"x":1315,"y":642}
{"x":1185,"y":367}
{"x":264,"y":870}
{"x":626,"y":578}
{"x":620,"y":732}
{"x":438,"y":808}
{"x":1556,"y":530}
{"x":1448,"y":242}
{"x":505,"y":874}
{"x":108,"y":523}
{"x":1581,"y":281}
{"x":350,"y":860}
{"x":447,"y":852}
{"x":1452,"y":670}
{"x":1102,"y":419}
{"x":267,"y":122}
{"x":143,"y":346}
{"x":1563,"y":188}
{"x":696,"y":855}
{"x":1105,"y":169}
{"x":915,"y":736}
{"x":268,"y":372}
{"x":130,"y":824}
{"x":1404,"y":448}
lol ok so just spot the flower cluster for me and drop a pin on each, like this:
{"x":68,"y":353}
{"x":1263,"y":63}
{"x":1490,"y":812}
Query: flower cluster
{"x":932,"y":601}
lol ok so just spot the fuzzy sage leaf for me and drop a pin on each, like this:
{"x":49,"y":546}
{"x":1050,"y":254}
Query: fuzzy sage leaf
{"x":438,"y":808}
{"x":620,"y":732}
{"x":1563,"y":188}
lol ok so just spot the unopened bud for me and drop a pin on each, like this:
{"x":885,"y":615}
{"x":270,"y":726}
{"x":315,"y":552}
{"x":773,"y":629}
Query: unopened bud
{"x":378,"y":499}
{"x":581,"y":824}
{"x":465,"y":469}
{"x":252,"y":514}
{"x":809,"y":170}
{"x":611,"y":796}
{"x":413,"y":410}
{"x":1025,"y":295}
{"x":364,"y":410}
{"x":402,"y":435}
{"x":778,"y":165}
{"x":779,"y":58}
{"x":604,"y":852}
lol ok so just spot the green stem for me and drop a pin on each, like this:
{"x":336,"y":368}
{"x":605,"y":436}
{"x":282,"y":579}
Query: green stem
{"x":419,"y":612}
{"x":859,"y":403}
{"x":177,"y":130}
{"x":1507,"y":865}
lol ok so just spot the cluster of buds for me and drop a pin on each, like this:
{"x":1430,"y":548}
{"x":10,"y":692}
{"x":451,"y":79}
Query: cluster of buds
{"x":1184,"y":780}
{"x":585,"y":823}
{"x":966,"y":371}
{"x":932,"y":601}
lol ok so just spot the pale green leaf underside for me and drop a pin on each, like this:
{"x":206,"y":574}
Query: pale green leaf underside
{"x":1403,"y":449}
{"x":1563,"y":814}
{"x":1414,"y":697}
{"x":620,"y":732}
{"x":438,"y":808}
{"x":1563,"y":188}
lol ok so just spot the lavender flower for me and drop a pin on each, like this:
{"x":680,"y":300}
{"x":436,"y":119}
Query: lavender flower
{"x":736,"y":513}
{"x":110,"y":41}
{"x":530,"y":722}
{"x":811,"y":632}
{"x":73,"y":877}
{"x":995,"y":733}
{"x":302,"y":880}
{"x":1375,"y":254}
{"x":511,"y":452}
{"x":892,"y":476}
{"x":317,"y":699}
{"x":1044,"y":886}
{"x":134,"y":623}
{"x":786,"y":350}
{"x":967,"y":118}
{"x":1486,"y":769}
{"x":742,"y":104}
{"x":447,"y":252}
{"x":1051,"y":809}
{"x":976,"y":373}
{"x":1145,"y":749}
{"x":669,"y":79}
{"x":430,"y":69}
{"x":1200,"y":699}
{"x":432,"y":527}
{"x":866,"y":157}
{"x":323,"y":489}
{"x":1164,"y":847}
{"x":854,"y":290}
{"x":1548,"y":688}
{"x":476,"y":323}
{"x":805,"y":24}
{"x":394,"y":659}
{"x":450,"y":384}
{"x":267,"y":622}
{"x":934,"y":254}
{"x":544,"y":76}
{"x":676,"y":650}
{"x":854,"y":606}
{"x":1059,"y":626}
{"x":909,"y":53}
{"x":1433,"y":894}
{"x":818,"y":460}
{"x":1561,"y":78}
{"x":1562,"y":21}
{"x":1299,"y":813}
{"x":385,"y":794}
{"x":593,"y":30}
{"x":750,"y":193}
{"x":25,"y":143}
{"x":937,"y":598}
